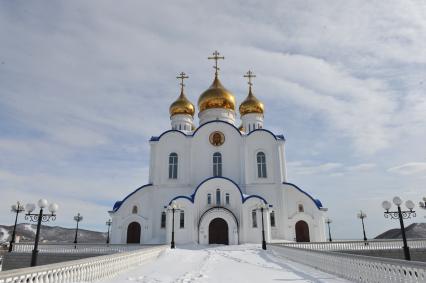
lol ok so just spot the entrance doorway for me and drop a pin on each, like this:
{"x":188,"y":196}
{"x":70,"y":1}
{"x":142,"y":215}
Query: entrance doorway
{"x":302,"y":231}
{"x":134,"y":233}
{"x":218,"y":232}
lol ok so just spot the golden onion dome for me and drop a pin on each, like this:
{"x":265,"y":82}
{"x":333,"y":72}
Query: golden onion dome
{"x":216,"y":96}
{"x":251,"y":105}
{"x":241,"y":128}
{"x":182,"y":106}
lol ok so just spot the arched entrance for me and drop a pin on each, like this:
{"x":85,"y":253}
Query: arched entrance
{"x":218,"y":232}
{"x":302,"y":231}
{"x":134,"y":233}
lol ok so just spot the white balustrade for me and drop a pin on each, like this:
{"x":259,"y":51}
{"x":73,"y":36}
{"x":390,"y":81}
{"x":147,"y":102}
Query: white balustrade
{"x":78,"y":249}
{"x":357,"y":245}
{"x":84,"y":270}
{"x":355,"y":267}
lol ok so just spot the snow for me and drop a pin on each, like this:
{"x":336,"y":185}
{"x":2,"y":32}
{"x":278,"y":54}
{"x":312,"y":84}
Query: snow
{"x":4,"y":235}
{"x":243,"y":263}
{"x":30,"y":228}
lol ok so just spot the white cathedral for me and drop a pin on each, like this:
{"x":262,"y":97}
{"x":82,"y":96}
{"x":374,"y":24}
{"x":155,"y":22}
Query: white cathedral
{"x":217,"y":183}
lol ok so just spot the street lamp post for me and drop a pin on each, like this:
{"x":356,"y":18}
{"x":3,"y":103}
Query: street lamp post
{"x":108,"y":223}
{"x":173,"y":208}
{"x":16,"y":208}
{"x":329,"y":221}
{"x":362,"y":215}
{"x":263,"y":207}
{"x":39,"y":218}
{"x":77,"y":219}
{"x":401,"y":215}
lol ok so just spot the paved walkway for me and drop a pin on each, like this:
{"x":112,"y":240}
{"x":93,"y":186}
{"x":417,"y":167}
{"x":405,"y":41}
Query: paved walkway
{"x":243,"y":263}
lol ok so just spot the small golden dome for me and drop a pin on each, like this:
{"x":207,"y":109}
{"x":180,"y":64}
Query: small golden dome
{"x":216,"y":96}
{"x":251,"y":105}
{"x":182,"y":106}
{"x":241,"y":128}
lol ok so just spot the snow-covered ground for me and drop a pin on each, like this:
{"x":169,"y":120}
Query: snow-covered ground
{"x":243,"y":263}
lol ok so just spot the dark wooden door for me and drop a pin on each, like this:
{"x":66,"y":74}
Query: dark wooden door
{"x":302,"y":231}
{"x":218,"y":232}
{"x":134,"y":233}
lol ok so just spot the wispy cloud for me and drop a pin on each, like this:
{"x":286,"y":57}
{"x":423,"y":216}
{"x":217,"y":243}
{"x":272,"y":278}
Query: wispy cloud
{"x":409,"y":168}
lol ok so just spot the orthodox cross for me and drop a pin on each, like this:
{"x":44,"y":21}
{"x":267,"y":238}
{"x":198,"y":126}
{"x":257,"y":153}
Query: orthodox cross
{"x":181,"y":77}
{"x":249,"y":75}
{"x":216,"y":57}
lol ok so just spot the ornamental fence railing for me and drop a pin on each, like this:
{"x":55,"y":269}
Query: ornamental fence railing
{"x":79,"y":248}
{"x":84,"y":270}
{"x":357,"y":268}
{"x":356,"y":245}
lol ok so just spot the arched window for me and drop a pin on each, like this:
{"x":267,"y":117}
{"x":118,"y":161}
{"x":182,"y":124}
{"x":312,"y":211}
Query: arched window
{"x":254,"y":218}
{"x":272,"y":218}
{"x":173,"y":165}
{"x":209,"y":198}
{"x":163,"y":219}
{"x":217,"y":197}
{"x":182,"y":219}
{"x":300,"y":208}
{"x":217,"y":164}
{"x":261,"y":165}
{"x":135,"y":210}
{"x":227,"y":198}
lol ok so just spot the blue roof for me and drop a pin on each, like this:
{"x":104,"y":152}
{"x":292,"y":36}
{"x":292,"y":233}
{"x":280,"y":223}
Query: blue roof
{"x":118,"y":204}
{"x":244,"y":198}
{"x":317,"y":202}
{"x":157,"y":138}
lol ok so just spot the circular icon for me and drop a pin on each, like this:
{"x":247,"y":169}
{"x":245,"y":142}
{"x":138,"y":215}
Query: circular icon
{"x":217,"y":138}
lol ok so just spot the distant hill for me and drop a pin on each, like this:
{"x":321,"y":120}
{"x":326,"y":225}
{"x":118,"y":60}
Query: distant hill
{"x":49,"y":234}
{"x":413,"y":231}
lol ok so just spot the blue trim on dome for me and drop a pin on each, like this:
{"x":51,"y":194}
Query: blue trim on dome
{"x":317,"y":202}
{"x":243,"y":199}
{"x":157,"y":138}
{"x":277,"y":137}
{"x":118,"y":204}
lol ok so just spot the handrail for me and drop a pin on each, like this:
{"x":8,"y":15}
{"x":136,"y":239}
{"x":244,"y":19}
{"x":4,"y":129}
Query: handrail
{"x":79,"y":248}
{"x":356,"y":245}
{"x":83,"y":270}
{"x":357,"y":268}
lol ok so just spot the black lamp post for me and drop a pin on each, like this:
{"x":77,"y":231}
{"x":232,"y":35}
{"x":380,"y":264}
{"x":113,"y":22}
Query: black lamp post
{"x":173,"y":208}
{"x":77,"y":219}
{"x":329,"y":221}
{"x":401,"y":215}
{"x":39,"y":218}
{"x":263,"y":207}
{"x":108,"y":223}
{"x":362,"y":215}
{"x":16,"y":208}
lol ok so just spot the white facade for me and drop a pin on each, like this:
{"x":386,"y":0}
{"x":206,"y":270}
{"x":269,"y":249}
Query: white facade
{"x":217,"y":203}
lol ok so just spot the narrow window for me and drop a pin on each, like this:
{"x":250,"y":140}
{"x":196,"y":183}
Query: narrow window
{"x":254,"y":126}
{"x":182,"y":219}
{"x":217,"y":164}
{"x":163,"y":219}
{"x":217,"y":197}
{"x":300,"y":208}
{"x":227,"y":198}
{"x":254,"y":218}
{"x":261,"y":165}
{"x":180,"y":127}
{"x":272,"y":216}
{"x":135,"y":210}
{"x":209,"y":198}
{"x":249,"y":128}
{"x":173,"y":165}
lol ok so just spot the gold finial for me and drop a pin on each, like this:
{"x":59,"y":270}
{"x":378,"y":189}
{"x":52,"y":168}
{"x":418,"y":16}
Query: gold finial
{"x":249,"y":75}
{"x":216,"y":57}
{"x":181,"y":77}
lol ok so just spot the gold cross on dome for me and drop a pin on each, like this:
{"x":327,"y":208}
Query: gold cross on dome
{"x":249,"y":75}
{"x":181,"y":77}
{"x":216,"y":57}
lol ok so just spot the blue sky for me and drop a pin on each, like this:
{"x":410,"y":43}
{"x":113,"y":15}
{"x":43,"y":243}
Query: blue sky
{"x":84,"y":84}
